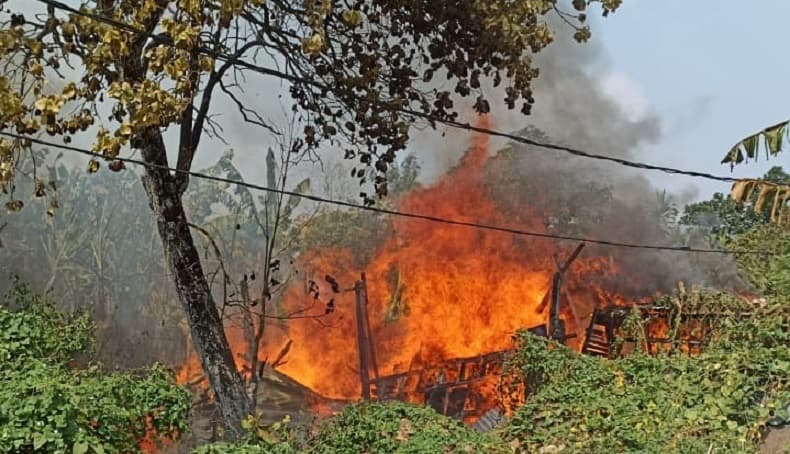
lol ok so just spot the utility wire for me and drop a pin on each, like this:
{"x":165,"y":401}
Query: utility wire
{"x":431,"y":118}
{"x":424,"y":217}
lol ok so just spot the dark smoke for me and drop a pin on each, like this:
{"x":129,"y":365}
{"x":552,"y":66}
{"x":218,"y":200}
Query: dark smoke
{"x":599,"y":200}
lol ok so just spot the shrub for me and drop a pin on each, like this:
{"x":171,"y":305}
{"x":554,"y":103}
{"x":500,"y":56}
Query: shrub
{"x":396,"y":427}
{"x":45,"y":406}
{"x":386,"y":428}
{"x":670,"y":403}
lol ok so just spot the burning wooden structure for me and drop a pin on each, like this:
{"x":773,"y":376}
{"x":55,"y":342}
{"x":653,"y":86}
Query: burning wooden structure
{"x":451,"y":387}
{"x":462,"y":387}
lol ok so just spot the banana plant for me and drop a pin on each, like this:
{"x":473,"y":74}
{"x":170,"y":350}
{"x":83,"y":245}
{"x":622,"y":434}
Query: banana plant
{"x":761,"y":195}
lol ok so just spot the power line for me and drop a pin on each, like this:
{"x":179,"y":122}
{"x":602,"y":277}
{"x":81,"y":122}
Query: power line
{"x":420,"y":216}
{"x":432,"y":118}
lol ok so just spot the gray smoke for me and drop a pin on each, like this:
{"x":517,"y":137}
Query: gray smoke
{"x":572,"y":108}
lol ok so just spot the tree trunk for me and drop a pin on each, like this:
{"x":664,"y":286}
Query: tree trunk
{"x":206,"y":327}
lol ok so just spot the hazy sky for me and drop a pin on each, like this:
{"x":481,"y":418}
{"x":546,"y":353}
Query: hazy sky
{"x":714,"y":70}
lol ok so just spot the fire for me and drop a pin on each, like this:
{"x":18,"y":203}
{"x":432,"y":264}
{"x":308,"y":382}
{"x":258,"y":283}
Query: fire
{"x":153,"y":441}
{"x":435,"y":291}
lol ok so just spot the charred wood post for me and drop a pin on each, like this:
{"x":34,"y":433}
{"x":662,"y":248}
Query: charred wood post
{"x":556,"y":329}
{"x":367,"y":355}
{"x":556,"y":325}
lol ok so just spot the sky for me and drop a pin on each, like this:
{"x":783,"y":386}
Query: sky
{"x":715,"y":71}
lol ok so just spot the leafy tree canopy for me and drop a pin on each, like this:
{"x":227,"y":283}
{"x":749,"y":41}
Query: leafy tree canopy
{"x":360,"y":232}
{"x":769,"y":275}
{"x":356,"y":68}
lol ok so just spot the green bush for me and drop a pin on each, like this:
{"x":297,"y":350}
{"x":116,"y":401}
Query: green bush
{"x":45,"y":406}
{"x":768,"y":274}
{"x":31,"y":328}
{"x":670,"y":403}
{"x":386,"y":428}
{"x":249,"y":447}
{"x":716,"y":401}
{"x":397,"y":427}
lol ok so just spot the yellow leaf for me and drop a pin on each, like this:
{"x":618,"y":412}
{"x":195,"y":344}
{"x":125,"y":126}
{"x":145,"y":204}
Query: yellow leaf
{"x":93,"y":166}
{"x":70,"y":92}
{"x":35,"y":47}
{"x":766,"y":191}
{"x":313,"y":44}
{"x":206,"y":63}
{"x":125,"y":130}
{"x":110,"y":35}
{"x":41,"y":104}
{"x":67,"y":28}
{"x":780,"y":204}
{"x":53,"y":206}
{"x":36,"y":69}
{"x":775,"y":205}
{"x":738,"y":188}
{"x":352,"y":18}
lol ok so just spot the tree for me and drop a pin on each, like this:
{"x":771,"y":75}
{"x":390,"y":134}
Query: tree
{"x":85,"y":244}
{"x":353,"y":74}
{"x":724,"y":217}
{"x":251,"y":282}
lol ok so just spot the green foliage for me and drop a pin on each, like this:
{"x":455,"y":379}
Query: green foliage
{"x":246,"y":448}
{"x":398,"y":428}
{"x":723,"y":217}
{"x":95,"y":253}
{"x":385,"y":428}
{"x":277,"y":438}
{"x":360,"y":232}
{"x":403,"y":177}
{"x":89,"y":248}
{"x":669,"y":403}
{"x":573,"y":209}
{"x":769,"y":275}
{"x":47,"y":407}
{"x":36,"y":330}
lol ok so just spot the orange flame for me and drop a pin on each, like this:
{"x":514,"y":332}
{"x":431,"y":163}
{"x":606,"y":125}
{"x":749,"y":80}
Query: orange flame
{"x":464,"y":291}
{"x":153,"y":441}
{"x":435,"y":291}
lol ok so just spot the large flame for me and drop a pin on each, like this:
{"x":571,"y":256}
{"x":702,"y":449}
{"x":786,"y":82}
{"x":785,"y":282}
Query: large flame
{"x":435,"y":291}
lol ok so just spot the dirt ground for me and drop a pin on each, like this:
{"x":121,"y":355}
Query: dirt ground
{"x":777,"y":442}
